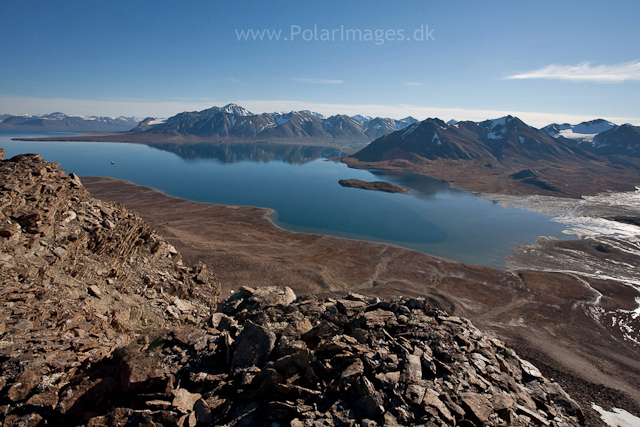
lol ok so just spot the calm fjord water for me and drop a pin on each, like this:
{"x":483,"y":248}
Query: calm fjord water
{"x":303,"y":189}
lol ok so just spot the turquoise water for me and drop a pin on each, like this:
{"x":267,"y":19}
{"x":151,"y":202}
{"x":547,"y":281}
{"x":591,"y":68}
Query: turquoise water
{"x":303,"y":189}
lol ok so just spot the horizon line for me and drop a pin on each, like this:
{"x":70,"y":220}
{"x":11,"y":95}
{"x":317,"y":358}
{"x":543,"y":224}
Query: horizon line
{"x":133,"y":108}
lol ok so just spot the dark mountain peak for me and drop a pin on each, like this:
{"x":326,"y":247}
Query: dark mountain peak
{"x":407,"y":121}
{"x":424,"y":141}
{"x":503,"y":122}
{"x":342,"y":120}
{"x":507,"y":128}
{"x":619,"y":140}
{"x":507,"y":139}
{"x":436,"y":122}
{"x":341,"y":116}
{"x":343,"y":126}
{"x":493,"y":124}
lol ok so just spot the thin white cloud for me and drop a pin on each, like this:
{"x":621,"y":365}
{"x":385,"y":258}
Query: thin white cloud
{"x":412,"y":84}
{"x":318,"y":81}
{"x":114,"y":108}
{"x":585,"y":72}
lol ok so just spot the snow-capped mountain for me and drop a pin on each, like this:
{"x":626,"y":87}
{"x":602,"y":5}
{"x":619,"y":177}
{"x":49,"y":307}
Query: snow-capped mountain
{"x":491,"y":140}
{"x":506,"y":146}
{"x":407,"y":121}
{"x":312,"y":113}
{"x":585,"y":131}
{"x":507,"y":155}
{"x":503,"y":138}
{"x":362,"y":119}
{"x":233,"y":122}
{"x":599,"y":137}
{"x":236,"y":110}
{"x":309,"y":112}
{"x":375,"y":128}
{"x":374,"y":124}
{"x":342,"y":126}
{"x":63,"y":122}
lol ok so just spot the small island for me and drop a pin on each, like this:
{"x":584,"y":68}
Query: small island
{"x":376,"y":186}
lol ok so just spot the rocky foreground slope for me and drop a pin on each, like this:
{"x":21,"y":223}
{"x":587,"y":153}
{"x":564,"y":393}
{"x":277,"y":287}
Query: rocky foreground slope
{"x":78,"y":279}
{"x":102,"y":325}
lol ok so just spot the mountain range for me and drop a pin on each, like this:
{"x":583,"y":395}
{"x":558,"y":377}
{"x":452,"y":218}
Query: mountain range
{"x":508,"y":156}
{"x":503,"y":155}
{"x":599,"y":137}
{"x":233,"y":122}
{"x":63,"y":122}
{"x":494,"y":141}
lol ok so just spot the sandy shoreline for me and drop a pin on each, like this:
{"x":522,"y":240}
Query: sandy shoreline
{"x":545,"y":316}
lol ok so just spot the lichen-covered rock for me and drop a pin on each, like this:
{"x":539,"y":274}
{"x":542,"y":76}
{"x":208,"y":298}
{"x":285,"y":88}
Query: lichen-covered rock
{"x":414,"y":365}
{"x":79,"y":278}
{"x":254,"y":344}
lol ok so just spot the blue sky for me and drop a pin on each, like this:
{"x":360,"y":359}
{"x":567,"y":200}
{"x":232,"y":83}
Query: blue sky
{"x":543,"y":61}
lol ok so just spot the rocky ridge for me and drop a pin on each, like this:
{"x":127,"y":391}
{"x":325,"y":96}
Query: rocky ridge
{"x":102,"y":325}
{"x":79,"y":278}
{"x":268,"y":357}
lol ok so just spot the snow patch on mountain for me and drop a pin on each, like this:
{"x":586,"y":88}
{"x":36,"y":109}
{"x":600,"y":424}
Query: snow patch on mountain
{"x":282,"y":119}
{"x":502,"y":121}
{"x":313,"y":113}
{"x":236,"y":109}
{"x":497,"y":133}
{"x":362,"y":119}
{"x":585,"y":131}
{"x":496,"y":128}
{"x":403,"y":123}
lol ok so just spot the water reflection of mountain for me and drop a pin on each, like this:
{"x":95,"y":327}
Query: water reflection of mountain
{"x":422,"y":186}
{"x":254,"y":152}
